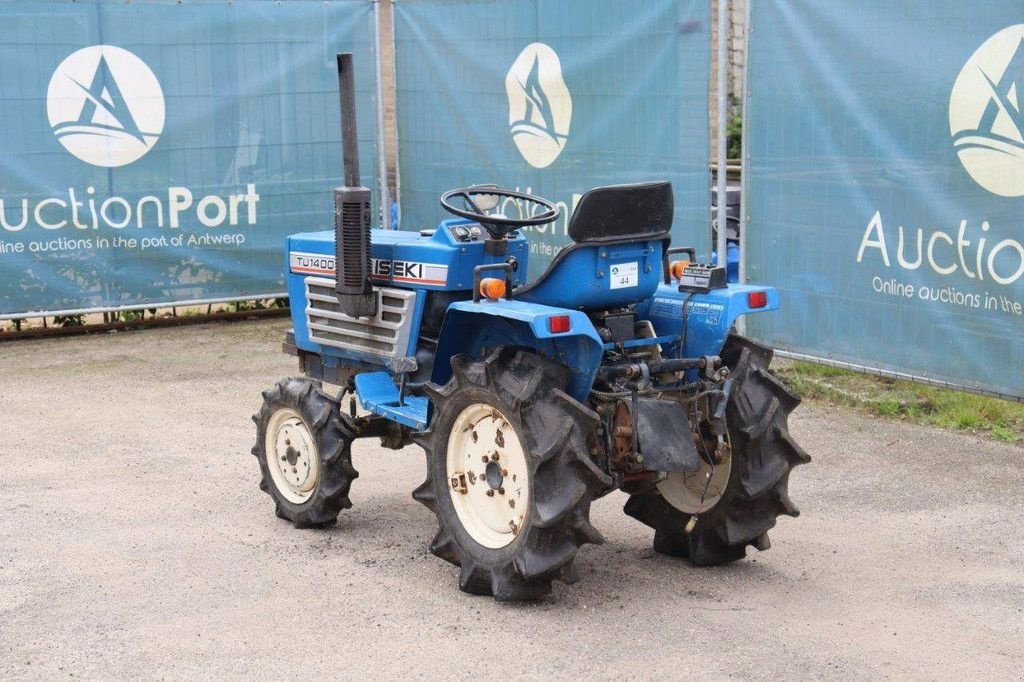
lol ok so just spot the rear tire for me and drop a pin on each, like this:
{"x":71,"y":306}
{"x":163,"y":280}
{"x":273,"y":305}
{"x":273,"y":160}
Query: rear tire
{"x":763,"y":454}
{"x":513,"y":402}
{"x":303,"y":445}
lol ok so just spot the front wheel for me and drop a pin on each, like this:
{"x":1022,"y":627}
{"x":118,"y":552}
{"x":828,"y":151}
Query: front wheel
{"x":304,"y":449}
{"x":712,"y":515}
{"x":509,"y":474}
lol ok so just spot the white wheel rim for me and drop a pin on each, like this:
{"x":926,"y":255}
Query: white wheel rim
{"x":292,"y":456}
{"x":488,"y":477}
{"x":698,"y":491}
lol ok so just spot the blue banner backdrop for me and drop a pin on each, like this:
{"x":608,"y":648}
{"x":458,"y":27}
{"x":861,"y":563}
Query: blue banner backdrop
{"x":885,"y":185}
{"x":157,"y":152}
{"x":553,"y":98}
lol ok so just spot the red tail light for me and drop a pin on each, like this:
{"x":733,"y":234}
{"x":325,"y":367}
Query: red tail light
{"x":757,"y":299}
{"x":559,"y":324}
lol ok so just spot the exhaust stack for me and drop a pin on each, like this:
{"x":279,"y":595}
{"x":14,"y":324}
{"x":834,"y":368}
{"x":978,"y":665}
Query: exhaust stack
{"x":356,"y":296}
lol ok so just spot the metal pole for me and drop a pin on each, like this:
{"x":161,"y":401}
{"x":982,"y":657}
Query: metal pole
{"x":745,"y":100}
{"x":382,"y":165}
{"x":723,"y":103}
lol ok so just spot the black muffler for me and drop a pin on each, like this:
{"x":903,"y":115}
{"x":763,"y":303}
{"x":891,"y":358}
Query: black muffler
{"x":356,"y":296}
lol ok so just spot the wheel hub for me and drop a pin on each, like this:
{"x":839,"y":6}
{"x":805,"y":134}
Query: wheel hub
{"x":696,"y":492}
{"x":488,"y":474}
{"x":292,"y":456}
{"x":492,"y":472}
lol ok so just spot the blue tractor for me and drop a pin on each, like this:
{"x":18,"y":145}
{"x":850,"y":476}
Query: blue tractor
{"x":616,"y":368}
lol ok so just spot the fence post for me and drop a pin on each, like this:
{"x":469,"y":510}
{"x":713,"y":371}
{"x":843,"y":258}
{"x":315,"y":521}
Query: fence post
{"x":723,"y":100}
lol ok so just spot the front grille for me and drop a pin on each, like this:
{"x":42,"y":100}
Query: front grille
{"x":385,"y":334}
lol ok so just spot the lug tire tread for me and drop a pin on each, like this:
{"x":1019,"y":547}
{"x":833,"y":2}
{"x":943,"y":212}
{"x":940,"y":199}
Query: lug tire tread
{"x":553,"y":429}
{"x":764,"y":454}
{"x":333,"y":437}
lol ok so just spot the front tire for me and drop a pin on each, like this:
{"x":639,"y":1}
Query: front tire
{"x":303,"y":445}
{"x":752,"y":493}
{"x":514,"y":522}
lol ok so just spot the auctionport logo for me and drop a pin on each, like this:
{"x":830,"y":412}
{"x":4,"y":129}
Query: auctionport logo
{"x":105,"y":106}
{"x":539,"y":105}
{"x":985,"y":113}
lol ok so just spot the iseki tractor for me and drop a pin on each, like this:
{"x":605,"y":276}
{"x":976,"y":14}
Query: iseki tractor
{"x":616,"y":369}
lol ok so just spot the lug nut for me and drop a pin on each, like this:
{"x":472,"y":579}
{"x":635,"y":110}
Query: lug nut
{"x":494,"y":457}
{"x":501,"y":491}
{"x":485,"y":459}
{"x":504,"y":472}
{"x":490,"y":493}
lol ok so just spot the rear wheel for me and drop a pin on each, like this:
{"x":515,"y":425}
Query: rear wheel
{"x":509,"y":475}
{"x":303,"y":445}
{"x":712,"y":515}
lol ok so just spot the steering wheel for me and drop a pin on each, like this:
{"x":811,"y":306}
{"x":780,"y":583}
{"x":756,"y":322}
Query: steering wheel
{"x":478,"y":199}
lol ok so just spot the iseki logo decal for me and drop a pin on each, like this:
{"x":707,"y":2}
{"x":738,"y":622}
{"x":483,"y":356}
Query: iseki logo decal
{"x":409,"y":271}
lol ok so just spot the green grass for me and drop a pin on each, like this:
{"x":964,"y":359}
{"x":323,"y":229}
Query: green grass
{"x":999,"y":419}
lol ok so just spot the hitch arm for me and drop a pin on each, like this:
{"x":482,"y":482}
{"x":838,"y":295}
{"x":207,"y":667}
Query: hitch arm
{"x":634,"y":371}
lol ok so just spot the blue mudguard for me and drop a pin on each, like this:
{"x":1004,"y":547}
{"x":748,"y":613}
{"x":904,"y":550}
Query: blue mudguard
{"x":701,"y":321}
{"x":473,"y":328}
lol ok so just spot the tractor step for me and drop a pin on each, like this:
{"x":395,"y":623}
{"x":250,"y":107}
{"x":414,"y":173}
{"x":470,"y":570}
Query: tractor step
{"x":378,"y":394}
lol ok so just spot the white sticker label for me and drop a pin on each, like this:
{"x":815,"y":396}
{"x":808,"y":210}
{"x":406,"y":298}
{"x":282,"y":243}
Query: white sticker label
{"x":382,"y":270}
{"x":311,"y":263}
{"x":625,"y":275}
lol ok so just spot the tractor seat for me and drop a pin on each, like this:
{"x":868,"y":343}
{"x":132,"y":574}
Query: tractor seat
{"x":618,"y":236}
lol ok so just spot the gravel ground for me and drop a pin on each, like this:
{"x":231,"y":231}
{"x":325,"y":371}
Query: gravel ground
{"x":134,"y":543}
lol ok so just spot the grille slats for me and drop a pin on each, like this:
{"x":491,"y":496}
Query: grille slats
{"x":326,"y":336}
{"x":386,"y":334}
{"x":357,"y":329}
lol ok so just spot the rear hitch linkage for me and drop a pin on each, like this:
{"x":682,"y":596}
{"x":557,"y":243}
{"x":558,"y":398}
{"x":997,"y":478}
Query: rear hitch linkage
{"x":711,"y":364}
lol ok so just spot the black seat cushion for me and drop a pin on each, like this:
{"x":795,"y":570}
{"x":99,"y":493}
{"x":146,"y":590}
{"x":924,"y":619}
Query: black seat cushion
{"x":642,"y":210}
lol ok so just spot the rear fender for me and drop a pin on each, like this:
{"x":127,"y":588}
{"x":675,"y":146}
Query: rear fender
{"x":473,"y":328}
{"x":702,"y":321}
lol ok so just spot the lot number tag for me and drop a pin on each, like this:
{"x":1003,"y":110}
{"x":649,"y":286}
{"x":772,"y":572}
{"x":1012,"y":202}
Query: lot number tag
{"x":625,"y":275}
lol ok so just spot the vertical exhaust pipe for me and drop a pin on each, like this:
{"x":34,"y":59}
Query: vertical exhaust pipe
{"x":356,"y":296}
